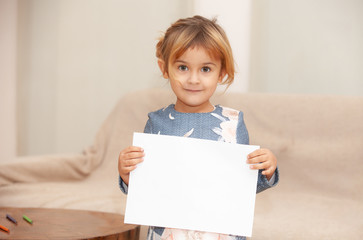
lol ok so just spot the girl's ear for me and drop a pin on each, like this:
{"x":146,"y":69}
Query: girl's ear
{"x":162,"y":67}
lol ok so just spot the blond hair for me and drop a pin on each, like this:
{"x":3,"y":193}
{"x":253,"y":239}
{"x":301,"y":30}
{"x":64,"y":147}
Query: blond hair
{"x":192,"y":32}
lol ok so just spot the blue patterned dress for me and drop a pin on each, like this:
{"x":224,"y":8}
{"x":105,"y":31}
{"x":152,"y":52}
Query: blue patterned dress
{"x":222,"y":124}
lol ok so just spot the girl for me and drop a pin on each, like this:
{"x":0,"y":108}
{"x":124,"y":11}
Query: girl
{"x":195,"y":55}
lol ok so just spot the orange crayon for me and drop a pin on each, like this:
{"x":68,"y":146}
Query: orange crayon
{"x":4,"y":228}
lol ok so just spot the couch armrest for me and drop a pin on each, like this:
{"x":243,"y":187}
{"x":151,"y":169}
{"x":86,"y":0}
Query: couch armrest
{"x":48,"y":168}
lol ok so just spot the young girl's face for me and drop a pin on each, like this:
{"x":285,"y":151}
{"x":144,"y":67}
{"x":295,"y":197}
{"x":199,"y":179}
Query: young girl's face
{"x":194,"y":79}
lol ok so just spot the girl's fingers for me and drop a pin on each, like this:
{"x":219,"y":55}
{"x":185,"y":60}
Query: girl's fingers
{"x":268,"y":171}
{"x":129,"y":168}
{"x":131,"y":149}
{"x":262,"y":159}
{"x":264,"y":165}
{"x":133,"y":162}
{"x":132,"y":155}
{"x":126,"y":166}
{"x":134,"y":149}
{"x":256,"y":153}
{"x":129,"y":158}
{"x":258,"y":159}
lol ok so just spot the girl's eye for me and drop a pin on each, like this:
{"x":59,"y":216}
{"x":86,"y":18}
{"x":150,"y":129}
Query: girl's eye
{"x":183,"y":68}
{"x":205,"y":69}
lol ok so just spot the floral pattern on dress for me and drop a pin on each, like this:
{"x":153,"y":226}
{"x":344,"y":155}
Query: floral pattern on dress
{"x":228,"y":125}
{"x":189,"y":133}
{"x":180,"y":234}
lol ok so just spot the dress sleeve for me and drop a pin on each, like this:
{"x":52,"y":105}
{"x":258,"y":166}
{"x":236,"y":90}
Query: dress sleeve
{"x":263,"y":183}
{"x":148,"y":127}
{"x":124,"y":188}
{"x":241,"y":132}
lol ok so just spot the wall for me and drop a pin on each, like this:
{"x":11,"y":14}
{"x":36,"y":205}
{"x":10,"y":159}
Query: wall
{"x":37,"y":76}
{"x":307,"y":47}
{"x":235,"y":18}
{"x":8,"y":19}
{"x":77,"y":58}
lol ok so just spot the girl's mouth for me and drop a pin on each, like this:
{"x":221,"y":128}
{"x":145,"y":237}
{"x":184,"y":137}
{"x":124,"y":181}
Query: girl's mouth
{"x":193,"y":90}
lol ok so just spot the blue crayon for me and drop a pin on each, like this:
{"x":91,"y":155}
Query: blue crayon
{"x":11,"y":218}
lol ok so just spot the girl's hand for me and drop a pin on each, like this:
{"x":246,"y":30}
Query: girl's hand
{"x":128,"y":160}
{"x":263,"y":159}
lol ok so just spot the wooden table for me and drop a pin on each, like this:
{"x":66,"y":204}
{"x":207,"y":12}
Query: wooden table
{"x":65,"y":224}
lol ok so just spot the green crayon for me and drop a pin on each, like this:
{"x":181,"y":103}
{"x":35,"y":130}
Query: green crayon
{"x":27,"y":219}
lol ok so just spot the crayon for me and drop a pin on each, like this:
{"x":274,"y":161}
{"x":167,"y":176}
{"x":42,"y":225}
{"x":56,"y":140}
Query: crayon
{"x":27,"y":219}
{"x":11,"y":218}
{"x":4,"y":228}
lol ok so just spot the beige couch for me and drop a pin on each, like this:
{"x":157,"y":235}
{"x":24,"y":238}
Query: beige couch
{"x":318,"y":141}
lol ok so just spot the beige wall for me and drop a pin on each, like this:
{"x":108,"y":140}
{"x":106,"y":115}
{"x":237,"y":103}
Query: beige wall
{"x":235,"y":18}
{"x":8,"y":18}
{"x":77,"y":58}
{"x":310,"y":46}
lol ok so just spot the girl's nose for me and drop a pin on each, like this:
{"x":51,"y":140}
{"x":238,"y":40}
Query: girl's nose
{"x":193,"y":78}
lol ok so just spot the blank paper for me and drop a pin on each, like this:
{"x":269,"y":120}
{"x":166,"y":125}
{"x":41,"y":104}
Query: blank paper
{"x":193,"y":184}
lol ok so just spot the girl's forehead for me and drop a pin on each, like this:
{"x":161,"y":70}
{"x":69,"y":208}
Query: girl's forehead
{"x":198,"y":50}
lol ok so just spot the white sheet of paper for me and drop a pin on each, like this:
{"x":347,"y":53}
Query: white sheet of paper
{"x":194,"y":184}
